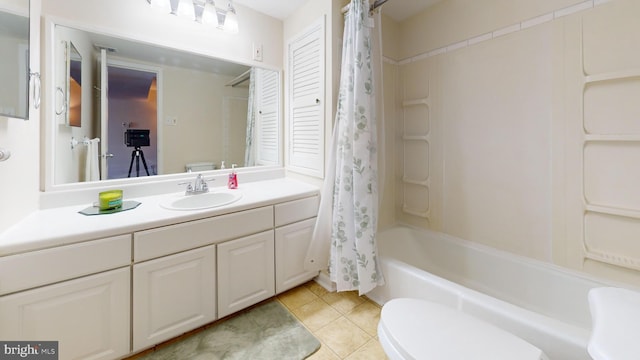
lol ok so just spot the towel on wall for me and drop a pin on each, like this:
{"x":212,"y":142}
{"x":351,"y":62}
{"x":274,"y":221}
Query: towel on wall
{"x":92,"y":169}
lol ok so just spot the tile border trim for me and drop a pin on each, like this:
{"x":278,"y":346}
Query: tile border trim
{"x":526,"y":24}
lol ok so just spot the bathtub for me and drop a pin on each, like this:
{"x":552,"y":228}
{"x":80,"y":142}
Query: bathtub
{"x":543,"y":304}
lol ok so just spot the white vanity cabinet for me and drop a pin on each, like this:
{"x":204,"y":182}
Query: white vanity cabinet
{"x":294,"y":221}
{"x":175,"y":277}
{"x":79,"y":296}
{"x":111,"y":297}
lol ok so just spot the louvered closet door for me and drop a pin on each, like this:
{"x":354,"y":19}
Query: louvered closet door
{"x":306,"y":101}
{"x":268,"y":136}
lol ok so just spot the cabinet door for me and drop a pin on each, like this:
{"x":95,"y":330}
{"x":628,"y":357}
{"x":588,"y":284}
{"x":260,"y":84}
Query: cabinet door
{"x":89,"y":316}
{"x":245,"y":272}
{"x":292,"y":242}
{"x":306,"y":101}
{"x":172,"y":295}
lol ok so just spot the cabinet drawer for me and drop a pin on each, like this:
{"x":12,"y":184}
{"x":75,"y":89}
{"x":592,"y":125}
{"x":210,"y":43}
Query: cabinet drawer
{"x":18,"y":272}
{"x":296,"y":210}
{"x":171,"y":239}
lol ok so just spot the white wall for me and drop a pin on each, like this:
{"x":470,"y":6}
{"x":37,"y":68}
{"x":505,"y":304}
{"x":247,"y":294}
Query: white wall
{"x":136,"y":20}
{"x":496,"y":105}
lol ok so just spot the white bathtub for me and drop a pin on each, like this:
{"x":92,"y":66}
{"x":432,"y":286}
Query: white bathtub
{"x":544,"y":304}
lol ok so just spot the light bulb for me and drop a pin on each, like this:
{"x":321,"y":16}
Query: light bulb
{"x":231,"y":20}
{"x":209,"y":15}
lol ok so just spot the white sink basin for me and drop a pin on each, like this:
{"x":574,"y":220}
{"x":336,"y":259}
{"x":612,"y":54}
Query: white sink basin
{"x":201,"y":201}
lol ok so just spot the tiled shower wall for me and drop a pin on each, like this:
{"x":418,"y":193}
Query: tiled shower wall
{"x":492,"y":144}
{"x":604,"y":137}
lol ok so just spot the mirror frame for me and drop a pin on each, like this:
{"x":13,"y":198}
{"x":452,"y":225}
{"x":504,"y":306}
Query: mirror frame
{"x":49,"y":144}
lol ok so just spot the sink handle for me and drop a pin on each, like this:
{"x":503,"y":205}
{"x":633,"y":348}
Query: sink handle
{"x":205,"y":187}
{"x":189,"y":188}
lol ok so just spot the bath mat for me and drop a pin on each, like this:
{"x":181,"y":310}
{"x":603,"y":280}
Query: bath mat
{"x":265,"y":332}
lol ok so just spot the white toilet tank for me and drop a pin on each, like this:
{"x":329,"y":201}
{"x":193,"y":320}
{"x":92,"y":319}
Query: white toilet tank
{"x":200,"y":166}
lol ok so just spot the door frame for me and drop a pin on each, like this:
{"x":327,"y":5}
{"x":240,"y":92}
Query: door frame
{"x":128,"y":64}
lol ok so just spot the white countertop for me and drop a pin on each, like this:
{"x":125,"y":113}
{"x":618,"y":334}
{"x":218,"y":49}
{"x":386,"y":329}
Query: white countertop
{"x":65,"y":225}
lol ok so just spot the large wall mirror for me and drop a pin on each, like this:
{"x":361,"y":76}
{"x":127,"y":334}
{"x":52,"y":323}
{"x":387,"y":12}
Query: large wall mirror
{"x":149,"y":110}
{"x":14,"y":62}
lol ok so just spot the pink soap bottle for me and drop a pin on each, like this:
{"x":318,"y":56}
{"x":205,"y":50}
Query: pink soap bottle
{"x":233,"y":178}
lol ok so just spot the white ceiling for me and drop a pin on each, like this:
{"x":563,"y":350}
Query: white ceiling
{"x":398,"y":10}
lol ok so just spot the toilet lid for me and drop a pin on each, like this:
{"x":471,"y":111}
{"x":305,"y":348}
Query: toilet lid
{"x":420,"y":329}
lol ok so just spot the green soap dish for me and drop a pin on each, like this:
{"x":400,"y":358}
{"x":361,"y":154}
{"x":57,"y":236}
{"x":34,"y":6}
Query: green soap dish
{"x":95,"y":210}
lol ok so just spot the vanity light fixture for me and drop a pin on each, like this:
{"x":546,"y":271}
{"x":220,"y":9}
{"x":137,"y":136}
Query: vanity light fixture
{"x":202,"y":11}
{"x":231,"y":19}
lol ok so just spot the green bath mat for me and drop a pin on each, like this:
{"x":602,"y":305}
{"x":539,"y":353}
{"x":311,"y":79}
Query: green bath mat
{"x":266,"y":332}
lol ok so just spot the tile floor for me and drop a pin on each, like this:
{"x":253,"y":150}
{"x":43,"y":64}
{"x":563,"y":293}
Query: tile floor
{"x":345,"y":323}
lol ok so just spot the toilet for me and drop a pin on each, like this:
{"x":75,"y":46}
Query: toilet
{"x":615,"y":315}
{"x":419,"y":329}
{"x":200,"y":166}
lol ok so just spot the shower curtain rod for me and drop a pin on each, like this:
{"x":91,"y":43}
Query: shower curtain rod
{"x":240,"y":79}
{"x":376,"y":4}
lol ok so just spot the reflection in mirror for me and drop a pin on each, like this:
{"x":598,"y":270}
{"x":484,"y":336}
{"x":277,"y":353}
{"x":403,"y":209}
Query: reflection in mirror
{"x":74,"y":86}
{"x":14,"y":62}
{"x":198,"y":111}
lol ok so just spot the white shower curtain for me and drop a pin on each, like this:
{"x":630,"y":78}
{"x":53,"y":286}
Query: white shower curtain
{"x":345,"y":231}
{"x":249,"y":150}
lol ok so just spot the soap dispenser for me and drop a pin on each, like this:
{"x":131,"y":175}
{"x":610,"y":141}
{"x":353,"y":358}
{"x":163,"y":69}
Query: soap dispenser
{"x":233,"y":178}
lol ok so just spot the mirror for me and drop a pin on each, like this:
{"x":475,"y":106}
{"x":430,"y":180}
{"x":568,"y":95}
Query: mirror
{"x":14,"y":62}
{"x":145,"y":110}
{"x":74,"y":86}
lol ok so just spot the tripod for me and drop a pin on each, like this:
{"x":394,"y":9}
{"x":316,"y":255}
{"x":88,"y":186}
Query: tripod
{"x":137,"y":153}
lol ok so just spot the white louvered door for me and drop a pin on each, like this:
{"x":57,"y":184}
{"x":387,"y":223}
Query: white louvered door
{"x":306,"y":101}
{"x":268,"y":119}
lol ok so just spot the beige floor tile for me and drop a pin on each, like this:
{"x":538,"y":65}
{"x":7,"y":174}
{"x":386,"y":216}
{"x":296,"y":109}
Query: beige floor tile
{"x":345,"y":301}
{"x":316,"y":288}
{"x":324,"y":353}
{"x":316,"y":314}
{"x":366,"y":316}
{"x":342,"y":336}
{"x":370,"y":351}
{"x":297,"y":297}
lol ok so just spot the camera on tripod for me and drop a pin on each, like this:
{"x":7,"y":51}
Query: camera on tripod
{"x":137,"y":138}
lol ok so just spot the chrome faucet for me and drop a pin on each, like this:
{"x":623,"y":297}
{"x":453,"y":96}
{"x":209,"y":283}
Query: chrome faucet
{"x":199,"y":186}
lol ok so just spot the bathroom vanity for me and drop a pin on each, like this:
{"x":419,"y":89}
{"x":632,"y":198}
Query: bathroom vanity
{"x":110,"y":285}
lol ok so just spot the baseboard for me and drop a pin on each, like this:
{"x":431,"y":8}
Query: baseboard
{"x":323,"y":280}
